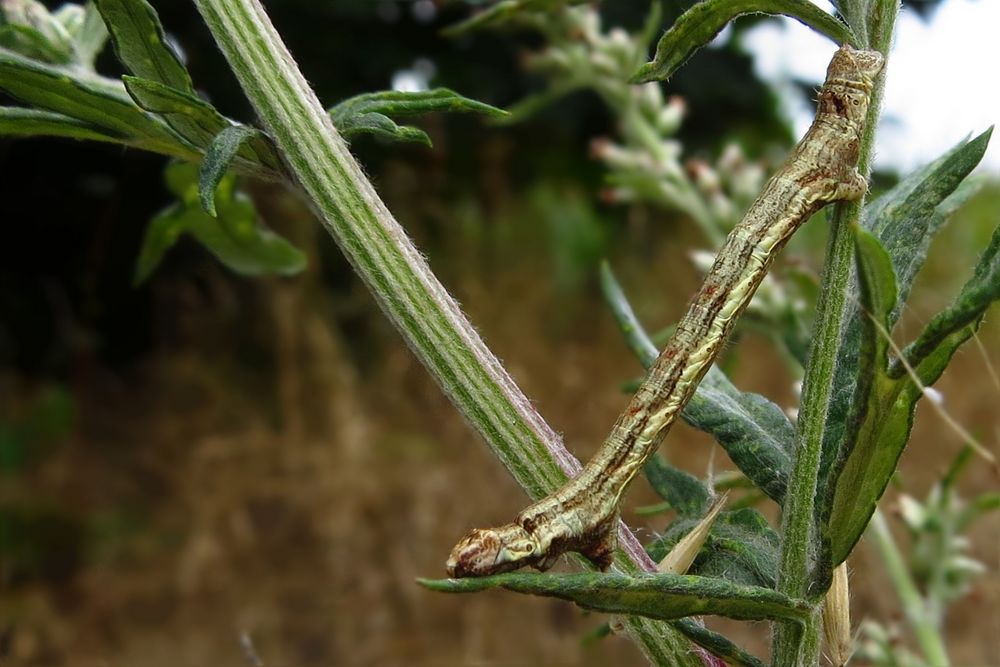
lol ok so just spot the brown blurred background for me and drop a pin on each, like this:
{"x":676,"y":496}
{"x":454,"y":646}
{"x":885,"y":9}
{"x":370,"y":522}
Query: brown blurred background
{"x":210,"y":455}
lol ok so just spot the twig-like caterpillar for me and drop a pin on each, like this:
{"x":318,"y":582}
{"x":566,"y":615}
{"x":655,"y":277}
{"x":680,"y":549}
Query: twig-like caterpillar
{"x":583,"y":515}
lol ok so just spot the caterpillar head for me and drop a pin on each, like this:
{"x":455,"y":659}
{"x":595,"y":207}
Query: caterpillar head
{"x":492,"y":551}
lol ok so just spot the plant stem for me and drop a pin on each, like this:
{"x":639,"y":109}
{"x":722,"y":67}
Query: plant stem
{"x":914,"y":607}
{"x":794,"y":646}
{"x":402,"y":282}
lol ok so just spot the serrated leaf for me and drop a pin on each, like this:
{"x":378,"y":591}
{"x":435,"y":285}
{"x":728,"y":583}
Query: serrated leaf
{"x":755,"y":433}
{"x":97,"y":101}
{"x":141,"y":44}
{"x":685,"y":492}
{"x":703,"y":21}
{"x":23,"y":122}
{"x":717,"y":644}
{"x":660,"y":596}
{"x":217,"y":159}
{"x":234,"y":237}
{"x":370,"y":113}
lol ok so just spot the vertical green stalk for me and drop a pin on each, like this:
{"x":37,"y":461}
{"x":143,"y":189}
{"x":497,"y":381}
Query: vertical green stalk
{"x":402,"y":282}
{"x":914,"y":606}
{"x":796,"y":646}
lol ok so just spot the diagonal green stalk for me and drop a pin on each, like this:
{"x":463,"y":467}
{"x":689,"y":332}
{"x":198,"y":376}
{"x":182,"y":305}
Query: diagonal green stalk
{"x":402,"y":282}
{"x":796,"y":646}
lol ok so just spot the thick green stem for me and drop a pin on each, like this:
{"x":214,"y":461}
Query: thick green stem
{"x":914,"y":606}
{"x":399,"y":277}
{"x":799,"y":646}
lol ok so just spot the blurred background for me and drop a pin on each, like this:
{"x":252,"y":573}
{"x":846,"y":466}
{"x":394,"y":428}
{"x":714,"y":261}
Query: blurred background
{"x":208,"y":455}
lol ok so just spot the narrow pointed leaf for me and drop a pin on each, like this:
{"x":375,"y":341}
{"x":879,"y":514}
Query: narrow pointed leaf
{"x":685,"y":492}
{"x":968,"y":308}
{"x":659,"y":596}
{"x":717,"y":644}
{"x":370,"y":113}
{"x":886,"y":428}
{"x":755,"y":433}
{"x":101,"y":102}
{"x":503,"y":12}
{"x":92,"y":37}
{"x":197,"y":121}
{"x":23,"y":122}
{"x":905,"y":220}
{"x":141,"y":44}
{"x":741,"y":547}
{"x":217,"y":159}
{"x":234,"y":237}
{"x":702,"y":22}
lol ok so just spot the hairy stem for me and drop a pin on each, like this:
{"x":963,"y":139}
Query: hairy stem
{"x":794,"y":646}
{"x":400,"y":279}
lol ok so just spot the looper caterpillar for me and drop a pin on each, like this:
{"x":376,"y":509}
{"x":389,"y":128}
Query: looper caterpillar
{"x":582,"y":515}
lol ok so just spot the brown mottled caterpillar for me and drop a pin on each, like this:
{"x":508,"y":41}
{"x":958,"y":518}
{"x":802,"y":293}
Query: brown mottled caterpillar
{"x":582,"y":515}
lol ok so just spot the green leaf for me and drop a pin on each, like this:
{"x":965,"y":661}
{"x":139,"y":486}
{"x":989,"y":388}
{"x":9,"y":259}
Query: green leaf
{"x":233,"y":237}
{"x":755,"y":433}
{"x":888,"y":420}
{"x":30,"y":29}
{"x":939,"y":336}
{"x":741,"y":547}
{"x":703,"y":21}
{"x":22,"y":122}
{"x":905,"y":220}
{"x":217,"y":159}
{"x":369,"y":113}
{"x":197,"y":121}
{"x":98,"y":101}
{"x":504,"y":12}
{"x":717,"y":644}
{"x":91,"y":37}
{"x":141,"y":44}
{"x":685,"y":492}
{"x":659,"y":596}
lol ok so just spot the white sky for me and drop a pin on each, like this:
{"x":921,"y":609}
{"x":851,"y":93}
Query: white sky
{"x":943,"y":82}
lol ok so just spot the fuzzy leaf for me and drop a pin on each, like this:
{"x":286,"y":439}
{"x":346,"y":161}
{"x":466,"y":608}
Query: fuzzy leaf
{"x":369,"y":113}
{"x":755,"y":433}
{"x":141,"y":44}
{"x":905,"y":220}
{"x":234,"y":237}
{"x":27,"y":27}
{"x":91,"y":37}
{"x":22,"y":122}
{"x":659,"y":596}
{"x":741,"y":547}
{"x":191,"y":117}
{"x":218,"y":157}
{"x":966,"y":311}
{"x":883,"y":433}
{"x":717,"y":644}
{"x":685,"y":492}
{"x":96,"y":101}
{"x":703,"y":21}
